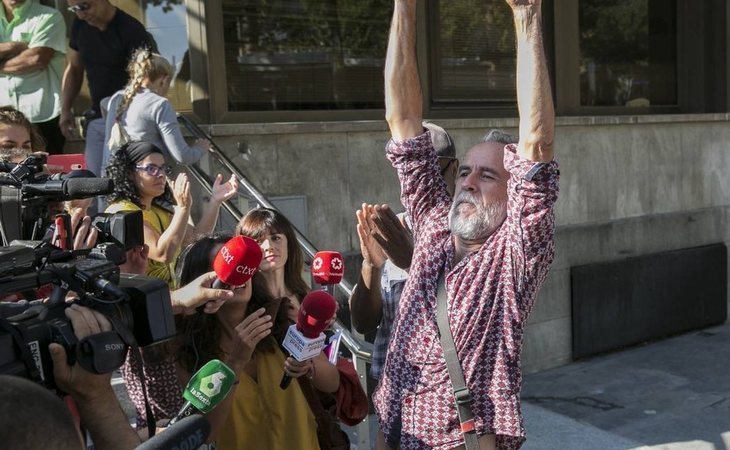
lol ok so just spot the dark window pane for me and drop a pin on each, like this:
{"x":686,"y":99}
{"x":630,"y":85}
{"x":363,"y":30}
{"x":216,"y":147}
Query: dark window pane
{"x":305,"y":54}
{"x":628,"y":52}
{"x":474,"y":52}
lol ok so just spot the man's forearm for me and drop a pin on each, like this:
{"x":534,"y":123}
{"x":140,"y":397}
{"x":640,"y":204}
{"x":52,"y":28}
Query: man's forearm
{"x":366,"y":302}
{"x":27,"y":61}
{"x":70,"y":87}
{"x":403,"y":96}
{"x":10,"y":49}
{"x":107,"y":423}
{"x":534,"y":95}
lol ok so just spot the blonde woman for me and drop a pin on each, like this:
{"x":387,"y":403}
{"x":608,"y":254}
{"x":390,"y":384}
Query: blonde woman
{"x":141,"y":112}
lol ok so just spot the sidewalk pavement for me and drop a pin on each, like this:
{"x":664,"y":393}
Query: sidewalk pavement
{"x":672,"y":394}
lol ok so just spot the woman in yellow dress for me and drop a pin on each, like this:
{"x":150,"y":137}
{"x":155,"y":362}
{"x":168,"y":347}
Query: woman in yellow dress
{"x":139,"y":172}
{"x":245,"y":333}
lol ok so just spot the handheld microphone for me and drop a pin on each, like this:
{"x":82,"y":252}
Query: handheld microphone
{"x":206,"y":388}
{"x":328,"y":267}
{"x":69,"y":189}
{"x":306,"y":339}
{"x":189,"y":433}
{"x":236,"y":262}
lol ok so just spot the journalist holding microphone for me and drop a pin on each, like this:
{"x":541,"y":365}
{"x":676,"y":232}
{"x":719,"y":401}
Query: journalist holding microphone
{"x":244,"y":333}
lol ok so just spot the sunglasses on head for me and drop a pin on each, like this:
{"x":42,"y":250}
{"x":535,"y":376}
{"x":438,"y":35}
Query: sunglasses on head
{"x":155,"y":170}
{"x":79,"y":8}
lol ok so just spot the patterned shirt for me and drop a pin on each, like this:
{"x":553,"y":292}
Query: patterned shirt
{"x":490,"y":294}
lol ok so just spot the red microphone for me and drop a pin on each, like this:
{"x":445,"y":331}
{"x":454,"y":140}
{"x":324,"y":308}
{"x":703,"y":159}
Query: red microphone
{"x":236,"y":262}
{"x":306,"y":339}
{"x":328,"y":267}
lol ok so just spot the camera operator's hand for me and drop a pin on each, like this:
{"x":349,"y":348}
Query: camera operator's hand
{"x":75,"y":380}
{"x":98,"y":406}
{"x":198,"y":292}
{"x":85,"y":235}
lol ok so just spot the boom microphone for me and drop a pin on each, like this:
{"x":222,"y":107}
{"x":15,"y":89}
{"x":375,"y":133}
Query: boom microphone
{"x":189,"y":433}
{"x":306,"y":339}
{"x":328,"y":267}
{"x":208,"y":387}
{"x":236,"y":262}
{"x":69,"y":189}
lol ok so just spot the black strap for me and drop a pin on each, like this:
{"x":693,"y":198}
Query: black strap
{"x":136,"y":355}
{"x":462,"y":396}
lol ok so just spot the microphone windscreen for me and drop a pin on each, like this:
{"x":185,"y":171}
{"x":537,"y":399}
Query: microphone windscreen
{"x":190,"y":432}
{"x":317,"y":308}
{"x":237,"y":261}
{"x":88,"y":187}
{"x":209,"y":385}
{"x":327,"y":267}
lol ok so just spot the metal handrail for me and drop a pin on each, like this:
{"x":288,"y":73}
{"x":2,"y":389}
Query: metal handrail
{"x":358,"y":347}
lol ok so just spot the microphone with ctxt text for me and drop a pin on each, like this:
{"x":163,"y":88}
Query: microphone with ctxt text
{"x":305,"y":339}
{"x":188,"y":434}
{"x":236,"y":262}
{"x":206,"y":388}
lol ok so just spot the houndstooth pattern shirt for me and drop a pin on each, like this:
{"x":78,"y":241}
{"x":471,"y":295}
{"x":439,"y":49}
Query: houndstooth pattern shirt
{"x":490,"y":294}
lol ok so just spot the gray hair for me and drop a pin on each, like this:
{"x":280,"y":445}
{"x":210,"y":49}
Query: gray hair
{"x":500,"y":137}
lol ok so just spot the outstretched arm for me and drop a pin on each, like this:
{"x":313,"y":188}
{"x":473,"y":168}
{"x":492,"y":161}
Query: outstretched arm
{"x":534,"y":96}
{"x":403,"y":97}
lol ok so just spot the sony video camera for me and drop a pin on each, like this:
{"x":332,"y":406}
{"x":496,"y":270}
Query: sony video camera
{"x":138,"y":307}
{"x":28,"y":196}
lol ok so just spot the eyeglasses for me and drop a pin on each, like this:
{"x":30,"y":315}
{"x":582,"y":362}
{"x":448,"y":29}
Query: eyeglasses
{"x":155,"y":171}
{"x":81,"y":7}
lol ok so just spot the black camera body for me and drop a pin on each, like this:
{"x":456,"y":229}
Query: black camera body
{"x":30,"y":198}
{"x":138,"y":307}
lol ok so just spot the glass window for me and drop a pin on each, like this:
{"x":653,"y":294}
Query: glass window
{"x":166,"y":21}
{"x":628,"y":52}
{"x":305,"y":54}
{"x":473,"y":48}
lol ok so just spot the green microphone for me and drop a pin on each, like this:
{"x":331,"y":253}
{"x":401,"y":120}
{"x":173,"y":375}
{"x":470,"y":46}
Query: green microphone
{"x":208,"y":387}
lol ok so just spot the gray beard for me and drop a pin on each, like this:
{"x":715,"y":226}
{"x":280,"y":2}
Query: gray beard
{"x":481,"y":223}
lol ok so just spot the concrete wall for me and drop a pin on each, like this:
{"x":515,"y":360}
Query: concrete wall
{"x":629,"y":186}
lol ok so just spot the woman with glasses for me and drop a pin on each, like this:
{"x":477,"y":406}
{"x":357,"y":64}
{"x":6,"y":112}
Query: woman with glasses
{"x":139,"y":172}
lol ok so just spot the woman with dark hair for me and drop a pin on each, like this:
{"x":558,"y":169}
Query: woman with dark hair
{"x":257,"y":413}
{"x":139,"y":172}
{"x":281,"y":267}
{"x":283,"y":259}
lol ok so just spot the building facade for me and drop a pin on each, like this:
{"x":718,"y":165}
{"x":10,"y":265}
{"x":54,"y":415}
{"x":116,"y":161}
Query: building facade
{"x":293,"y":91}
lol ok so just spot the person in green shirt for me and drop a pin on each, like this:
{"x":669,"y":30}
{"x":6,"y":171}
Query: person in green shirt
{"x":139,"y":172}
{"x":32,"y":59}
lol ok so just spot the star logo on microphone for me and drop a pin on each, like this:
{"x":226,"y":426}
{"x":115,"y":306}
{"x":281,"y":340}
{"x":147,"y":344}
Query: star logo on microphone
{"x":336,"y":263}
{"x":317,"y":263}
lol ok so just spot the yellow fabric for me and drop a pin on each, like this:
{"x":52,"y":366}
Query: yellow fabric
{"x":159,"y":219}
{"x":264,"y":416}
